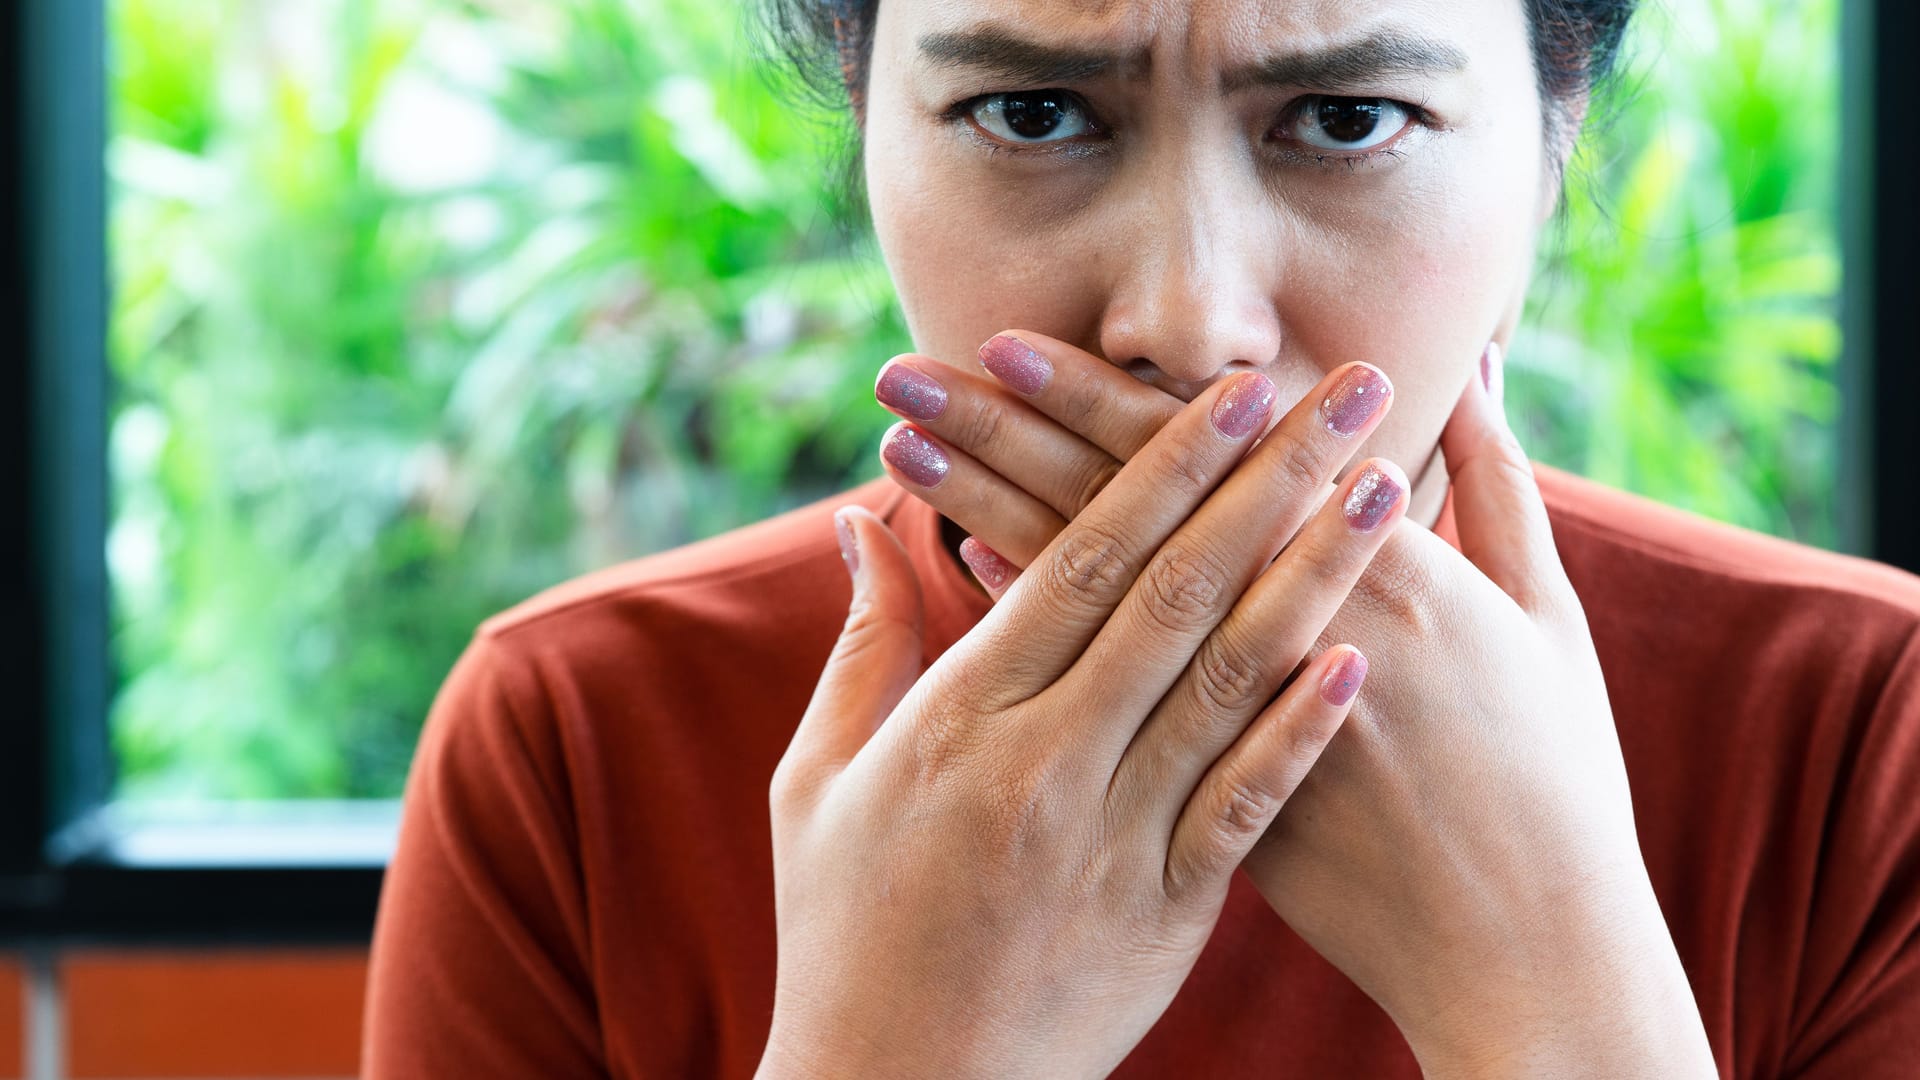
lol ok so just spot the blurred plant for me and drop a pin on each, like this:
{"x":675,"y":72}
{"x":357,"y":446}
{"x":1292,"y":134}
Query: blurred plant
{"x":424,"y":305}
{"x":1683,"y":334}
{"x":421,"y":307}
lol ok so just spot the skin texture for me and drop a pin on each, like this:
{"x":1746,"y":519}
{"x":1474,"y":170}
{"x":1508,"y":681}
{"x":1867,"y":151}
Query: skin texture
{"x":1191,"y":243}
{"x":1141,"y":709}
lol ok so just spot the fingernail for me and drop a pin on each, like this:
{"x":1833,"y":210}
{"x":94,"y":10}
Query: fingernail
{"x":1359,"y":394}
{"x":1344,"y":680}
{"x":921,"y":461}
{"x":912,"y":392}
{"x":1493,"y":369}
{"x":1243,"y":407}
{"x":993,"y":571}
{"x":1486,"y":366}
{"x":849,"y":543}
{"x":1372,"y":498}
{"x":1015,"y":363}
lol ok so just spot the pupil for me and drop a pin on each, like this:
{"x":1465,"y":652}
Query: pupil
{"x":1032,"y":116}
{"x":1349,"y":120}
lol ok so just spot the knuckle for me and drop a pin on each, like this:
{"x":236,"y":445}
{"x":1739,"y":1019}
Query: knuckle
{"x":1184,"y":588}
{"x":1393,"y":588}
{"x":1301,"y":462}
{"x":1089,"y":480}
{"x":1188,"y":469}
{"x":787,"y":792}
{"x":1011,"y":812}
{"x":1227,"y":679}
{"x":1242,"y":813}
{"x":1302,"y":738}
{"x":979,"y":428}
{"x":1511,"y":463}
{"x":1089,"y":563}
{"x":1076,"y":409}
{"x":870,"y":628}
{"x":1322,"y":566}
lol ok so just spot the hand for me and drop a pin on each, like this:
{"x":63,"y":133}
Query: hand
{"x":1008,"y":865}
{"x":1465,"y":851}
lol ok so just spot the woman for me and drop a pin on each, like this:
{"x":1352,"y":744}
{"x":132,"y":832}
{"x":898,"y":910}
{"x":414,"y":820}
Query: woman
{"x":1524,"y":778}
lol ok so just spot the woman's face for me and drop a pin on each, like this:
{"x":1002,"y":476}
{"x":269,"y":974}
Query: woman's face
{"x":1189,"y":189}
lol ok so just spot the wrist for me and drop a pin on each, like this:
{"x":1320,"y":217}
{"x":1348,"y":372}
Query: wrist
{"x":819,"y":1047}
{"x":1610,"y":1000}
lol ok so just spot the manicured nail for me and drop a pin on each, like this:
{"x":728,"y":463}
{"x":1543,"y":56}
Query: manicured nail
{"x":1344,"y":680}
{"x":993,"y":571}
{"x":912,"y":392}
{"x":922,"y":462}
{"x":849,"y":543}
{"x":1243,"y":407}
{"x":1486,"y":366}
{"x":1360,"y":393}
{"x":1493,"y":364}
{"x":1015,"y":363}
{"x":1372,"y":498}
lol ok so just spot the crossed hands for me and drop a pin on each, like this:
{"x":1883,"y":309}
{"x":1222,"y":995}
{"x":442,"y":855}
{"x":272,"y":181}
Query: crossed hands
{"x":1006,"y":864}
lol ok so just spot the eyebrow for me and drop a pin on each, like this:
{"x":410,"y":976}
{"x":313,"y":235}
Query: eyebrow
{"x":1353,"y":64}
{"x":998,"y":53}
{"x":995,"y":52}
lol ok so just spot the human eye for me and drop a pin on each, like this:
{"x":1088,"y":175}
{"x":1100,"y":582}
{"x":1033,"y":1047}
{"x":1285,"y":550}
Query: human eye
{"x":1030,"y":117}
{"x":1346,"y":126}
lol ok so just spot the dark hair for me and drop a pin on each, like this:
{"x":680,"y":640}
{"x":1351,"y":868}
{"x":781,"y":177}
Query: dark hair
{"x":828,"y":46}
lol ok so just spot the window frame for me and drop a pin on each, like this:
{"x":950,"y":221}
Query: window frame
{"x":58,"y":878}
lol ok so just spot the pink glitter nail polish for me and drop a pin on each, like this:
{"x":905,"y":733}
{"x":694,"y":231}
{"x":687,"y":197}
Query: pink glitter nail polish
{"x":1372,"y":498}
{"x":916,"y":457}
{"x":1015,"y":363}
{"x":1243,"y":406}
{"x":849,"y":543}
{"x":1344,"y":680}
{"x":912,"y":392}
{"x":993,"y":571}
{"x":1360,"y":393}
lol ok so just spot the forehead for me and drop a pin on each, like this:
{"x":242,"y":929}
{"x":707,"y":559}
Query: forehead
{"x":1226,"y":28}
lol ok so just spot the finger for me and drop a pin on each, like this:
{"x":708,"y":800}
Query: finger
{"x":1198,"y":577}
{"x":873,"y":664}
{"x":1070,"y":590}
{"x":993,"y":571}
{"x":974,"y":496}
{"x":1245,"y":661}
{"x":977,"y":415}
{"x":1497,"y":510}
{"x":1243,"y":791}
{"x":1092,"y":398}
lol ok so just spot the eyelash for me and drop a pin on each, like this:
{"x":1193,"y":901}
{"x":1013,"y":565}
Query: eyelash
{"x":960,"y":113}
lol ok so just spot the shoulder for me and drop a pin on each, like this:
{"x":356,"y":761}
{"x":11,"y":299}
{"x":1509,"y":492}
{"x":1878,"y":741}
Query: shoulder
{"x":1640,"y":565}
{"x":668,"y":662}
{"x":778,"y":561}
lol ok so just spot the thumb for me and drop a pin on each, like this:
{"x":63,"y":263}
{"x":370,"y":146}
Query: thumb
{"x":1497,"y":508}
{"x":878,"y":656}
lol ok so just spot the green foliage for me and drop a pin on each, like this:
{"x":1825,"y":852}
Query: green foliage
{"x":1682,"y":339}
{"x":423,"y":306}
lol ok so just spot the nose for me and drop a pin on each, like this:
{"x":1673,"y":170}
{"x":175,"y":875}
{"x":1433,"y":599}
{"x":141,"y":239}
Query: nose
{"x":1196,"y":270}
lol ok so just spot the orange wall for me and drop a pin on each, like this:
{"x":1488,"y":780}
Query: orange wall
{"x":12,"y":1016}
{"x":202,"y":1014}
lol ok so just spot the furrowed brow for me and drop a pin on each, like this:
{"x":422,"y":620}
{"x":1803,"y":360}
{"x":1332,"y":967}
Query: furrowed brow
{"x":999,"y":54}
{"x":1351,"y":66}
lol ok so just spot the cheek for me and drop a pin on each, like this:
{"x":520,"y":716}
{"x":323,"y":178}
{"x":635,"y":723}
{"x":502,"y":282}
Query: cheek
{"x":964,"y":267}
{"x":1417,"y":290}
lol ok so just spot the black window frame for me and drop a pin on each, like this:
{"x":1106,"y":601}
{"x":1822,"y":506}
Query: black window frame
{"x":53,"y":473}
